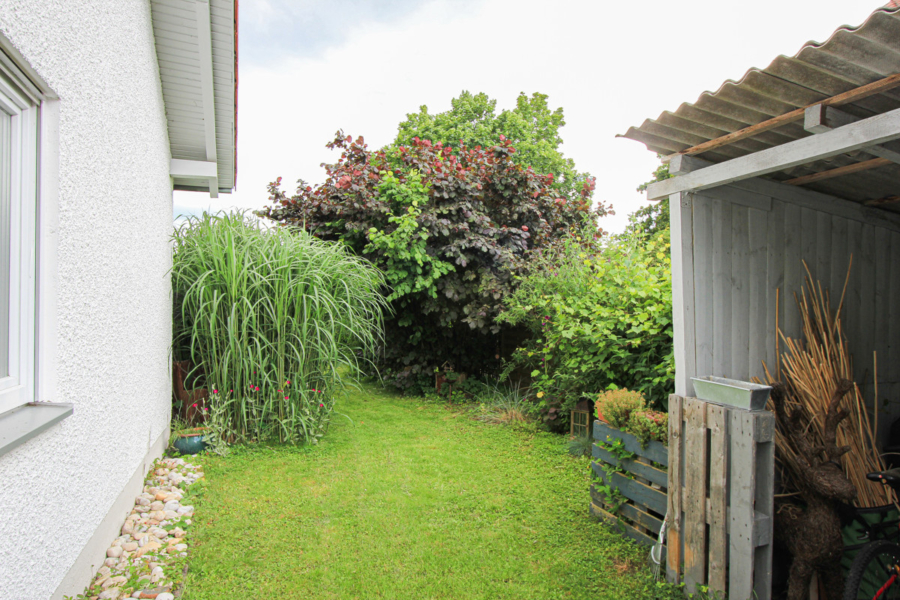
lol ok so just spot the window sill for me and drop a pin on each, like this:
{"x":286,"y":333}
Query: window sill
{"x":22,"y":423}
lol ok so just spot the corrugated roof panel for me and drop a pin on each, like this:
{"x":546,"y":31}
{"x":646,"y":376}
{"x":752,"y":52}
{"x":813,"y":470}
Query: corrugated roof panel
{"x":851,"y":57}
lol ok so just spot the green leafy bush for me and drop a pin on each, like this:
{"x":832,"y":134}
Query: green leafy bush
{"x":648,"y":426}
{"x":272,"y":323}
{"x":617,"y":406}
{"x":450,"y":228}
{"x":600,"y":316}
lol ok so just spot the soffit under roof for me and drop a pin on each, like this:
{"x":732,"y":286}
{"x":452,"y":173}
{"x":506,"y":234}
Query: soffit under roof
{"x":175,"y":27}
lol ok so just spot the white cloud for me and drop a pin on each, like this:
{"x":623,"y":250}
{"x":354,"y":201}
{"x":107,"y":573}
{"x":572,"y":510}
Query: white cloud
{"x":608,"y":64}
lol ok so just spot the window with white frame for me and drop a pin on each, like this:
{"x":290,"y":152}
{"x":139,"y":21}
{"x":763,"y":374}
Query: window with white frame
{"x":19,"y":122}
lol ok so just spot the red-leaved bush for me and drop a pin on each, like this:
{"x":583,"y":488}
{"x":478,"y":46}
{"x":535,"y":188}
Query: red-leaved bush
{"x":451,"y":228}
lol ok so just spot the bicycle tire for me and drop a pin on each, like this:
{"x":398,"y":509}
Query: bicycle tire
{"x":874,"y":569}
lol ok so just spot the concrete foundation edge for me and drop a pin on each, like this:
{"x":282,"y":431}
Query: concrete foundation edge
{"x":94,"y":552}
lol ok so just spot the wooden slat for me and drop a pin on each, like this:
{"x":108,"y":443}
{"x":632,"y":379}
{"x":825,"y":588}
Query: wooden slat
{"x":853,"y":95}
{"x":838,"y":172}
{"x":775,"y":280}
{"x":703,"y":282}
{"x":840,"y":258}
{"x":865,"y":333}
{"x":793,"y":269}
{"x":890,"y":364}
{"x":694,"y":497}
{"x":717,"y":420}
{"x":742,"y":485}
{"x":853,"y":299}
{"x":631,"y":532}
{"x":764,"y":498}
{"x":722,"y":287}
{"x":809,"y":223}
{"x":628,"y":511}
{"x":654,"y":450}
{"x":641,"y":493}
{"x":757,"y":291}
{"x":648,"y":472}
{"x":676,"y":454}
{"x":883,"y":253}
{"x":822,"y":268}
{"x":740,"y":294}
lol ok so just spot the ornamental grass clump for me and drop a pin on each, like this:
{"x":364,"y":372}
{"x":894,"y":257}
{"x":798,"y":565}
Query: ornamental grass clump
{"x":273,"y":322}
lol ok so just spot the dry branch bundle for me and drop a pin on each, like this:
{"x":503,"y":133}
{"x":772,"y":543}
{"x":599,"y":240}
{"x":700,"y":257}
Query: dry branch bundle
{"x":811,"y":369}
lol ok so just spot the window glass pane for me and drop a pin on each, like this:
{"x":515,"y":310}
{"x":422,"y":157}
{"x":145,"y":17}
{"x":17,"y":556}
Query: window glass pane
{"x":6,"y":183}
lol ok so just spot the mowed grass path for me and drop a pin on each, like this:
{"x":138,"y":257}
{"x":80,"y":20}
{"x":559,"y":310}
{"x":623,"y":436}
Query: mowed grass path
{"x":409,"y":500}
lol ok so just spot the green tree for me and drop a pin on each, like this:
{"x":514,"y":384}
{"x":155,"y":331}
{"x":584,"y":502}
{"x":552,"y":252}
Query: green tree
{"x":531,"y":127}
{"x":654,"y":218}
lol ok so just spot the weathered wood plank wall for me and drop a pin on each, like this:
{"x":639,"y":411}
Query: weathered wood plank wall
{"x":742,"y":248}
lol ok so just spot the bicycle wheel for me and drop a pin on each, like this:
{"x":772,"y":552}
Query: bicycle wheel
{"x":875,"y":574}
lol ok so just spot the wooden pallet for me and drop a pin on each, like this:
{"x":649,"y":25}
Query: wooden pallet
{"x":643,"y":483}
{"x":721,"y":471}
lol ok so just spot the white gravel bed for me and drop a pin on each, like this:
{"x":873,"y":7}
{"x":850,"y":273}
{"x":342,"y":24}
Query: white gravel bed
{"x":148,"y":559}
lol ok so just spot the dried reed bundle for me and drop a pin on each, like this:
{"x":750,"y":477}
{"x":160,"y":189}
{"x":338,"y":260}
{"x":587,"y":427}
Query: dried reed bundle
{"x":811,"y":370}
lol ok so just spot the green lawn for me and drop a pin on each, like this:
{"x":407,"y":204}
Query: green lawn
{"x":409,"y":500}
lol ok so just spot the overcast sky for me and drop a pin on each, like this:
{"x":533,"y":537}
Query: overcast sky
{"x":309,"y":68}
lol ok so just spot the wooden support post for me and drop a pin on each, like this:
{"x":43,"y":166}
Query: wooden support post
{"x":681,"y":212}
{"x":717,"y":518}
{"x":676,"y":449}
{"x":764,"y":503}
{"x":752,"y":482}
{"x":743,"y":481}
{"x":695,"y":491}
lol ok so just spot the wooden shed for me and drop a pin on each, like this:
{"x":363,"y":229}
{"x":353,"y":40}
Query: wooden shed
{"x":795,"y":162}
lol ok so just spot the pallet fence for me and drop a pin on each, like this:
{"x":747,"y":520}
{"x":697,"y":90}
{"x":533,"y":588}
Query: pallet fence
{"x":720,"y":501}
{"x":644,"y":488}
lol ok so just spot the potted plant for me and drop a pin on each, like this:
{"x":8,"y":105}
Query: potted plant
{"x":615,"y":406}
{"x":186,"y":439}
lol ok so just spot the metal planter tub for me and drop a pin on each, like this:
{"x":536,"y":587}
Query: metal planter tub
{"x":731,"y":392}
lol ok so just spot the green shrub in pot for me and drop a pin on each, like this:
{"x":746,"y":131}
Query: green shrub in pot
{"x":616,"y":406}
{"x":649,"y":426}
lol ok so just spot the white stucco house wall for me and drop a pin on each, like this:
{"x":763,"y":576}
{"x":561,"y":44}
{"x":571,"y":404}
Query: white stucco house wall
{"x":106,"y":106}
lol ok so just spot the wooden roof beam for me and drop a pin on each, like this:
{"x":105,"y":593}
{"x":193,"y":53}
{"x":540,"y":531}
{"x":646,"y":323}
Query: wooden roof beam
{"x":880,"y":201}
{"x":819,"y":118}
{"x":845,"y":170}
{"x":877,"y":87}
{"x":855,"y":136}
